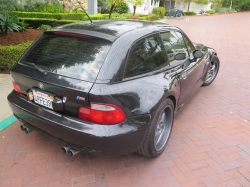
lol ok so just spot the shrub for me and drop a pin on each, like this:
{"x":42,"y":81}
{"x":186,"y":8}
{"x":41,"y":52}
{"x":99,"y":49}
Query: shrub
{"x":58,"y":16}
{"x":160,"y":11}
{"x":98,"y":17}
{"x":8,"y":5}
{"x":9,"y":23}
{"x":45,"y":27}
{"x":119,"y":18}
{"x":166,"y":13}
{"x":226,"y":3}
{"x":41,"y":7}
{"x":190,"y":13}
{"x":105,"y":11}
{"x":223,"y":10}
{"x":210,"y":12}
{"x":36,"y":22}
{"x":144,"y":18}
{"x":131,"y":15}
{"x":151,"y":17}
{"x":121,"y":8}
{"x":157,"y":17}
{"x":216,"y":4}
{"x":202,"y":11}
{"x":9,"y":55}
{"x":241,"y":5}
{"x":23,"y":26}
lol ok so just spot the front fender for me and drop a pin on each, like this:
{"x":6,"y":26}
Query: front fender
{"x":205,"y":49}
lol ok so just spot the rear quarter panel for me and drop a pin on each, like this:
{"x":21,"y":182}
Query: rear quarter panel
{"x":137,"y":96}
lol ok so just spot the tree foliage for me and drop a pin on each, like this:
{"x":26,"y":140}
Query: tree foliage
{"x":136,"y":3}
{"x":217,"y":4}
{"x":112,"y":4}
{"x":196,"y":1}
{"x":237,"y":4}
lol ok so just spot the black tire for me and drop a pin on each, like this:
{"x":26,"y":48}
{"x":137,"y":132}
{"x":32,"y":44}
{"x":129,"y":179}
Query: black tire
{"x":149,"y":147}
{"x":179,"y":16}
{"x":215,"y":62}
{"x":167,"y":16}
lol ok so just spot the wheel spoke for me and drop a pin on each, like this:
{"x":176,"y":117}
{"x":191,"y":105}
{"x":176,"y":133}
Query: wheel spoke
{"x":211,"y":72}
{"x":163,"y":128}
{"x":157,"y":135}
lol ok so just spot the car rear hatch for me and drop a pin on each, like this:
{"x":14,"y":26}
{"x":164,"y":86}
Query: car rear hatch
{"x":59,"y":69}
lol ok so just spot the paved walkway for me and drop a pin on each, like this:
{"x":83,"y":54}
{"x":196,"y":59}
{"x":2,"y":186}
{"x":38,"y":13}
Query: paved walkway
{"x":5,"y":88}
{"x":209,"y":146}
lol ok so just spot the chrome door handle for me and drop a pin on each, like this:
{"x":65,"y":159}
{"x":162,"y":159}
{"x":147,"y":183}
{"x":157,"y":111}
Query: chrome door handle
{"x":184,"y":76}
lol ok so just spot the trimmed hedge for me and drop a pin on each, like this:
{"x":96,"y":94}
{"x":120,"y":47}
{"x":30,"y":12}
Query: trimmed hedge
{"x":37,"y":22}
{"x":210,"y":12}
{"x":97,"y":17}
{"x":119,"y":18}
{"x":159,"y":11}
{"x":190,"y":13}
{"x":187,"y":13}
{"x":143,"y":18}
{"x":149,"y":17}
{"x":9,"y":55}
{"x":59,"y":16}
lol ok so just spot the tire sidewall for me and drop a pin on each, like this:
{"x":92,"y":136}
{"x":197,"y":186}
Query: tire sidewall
{"x":214,"y":58}
{"x":152,"y":151}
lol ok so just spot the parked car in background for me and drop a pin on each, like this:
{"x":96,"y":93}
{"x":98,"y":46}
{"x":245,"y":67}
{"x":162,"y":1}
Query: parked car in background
{"x":109,"y":88}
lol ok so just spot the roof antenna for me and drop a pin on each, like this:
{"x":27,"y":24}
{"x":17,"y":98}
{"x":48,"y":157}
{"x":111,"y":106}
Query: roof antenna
{"x":87,"y":15}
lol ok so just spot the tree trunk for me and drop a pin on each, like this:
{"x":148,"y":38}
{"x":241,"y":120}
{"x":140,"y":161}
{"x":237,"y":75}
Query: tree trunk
{"x":134,"y":10}
{"x":111,"y":9}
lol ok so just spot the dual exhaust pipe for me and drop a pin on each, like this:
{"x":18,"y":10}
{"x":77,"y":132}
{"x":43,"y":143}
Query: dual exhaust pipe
{"x":26,"y":129}
{"x":71,"y":151}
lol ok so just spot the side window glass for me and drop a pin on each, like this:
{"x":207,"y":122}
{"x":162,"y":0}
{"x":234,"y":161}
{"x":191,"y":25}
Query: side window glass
{"x":174,"y":45}
{"x":148,"y":54}
{"x":190,"y":47}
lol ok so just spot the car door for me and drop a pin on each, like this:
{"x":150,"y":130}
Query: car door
{"x":175,"y":44}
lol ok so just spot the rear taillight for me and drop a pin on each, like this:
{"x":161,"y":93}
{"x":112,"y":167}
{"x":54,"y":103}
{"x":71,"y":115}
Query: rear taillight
{"x":102,"y":113}
{"x":16,"y":86}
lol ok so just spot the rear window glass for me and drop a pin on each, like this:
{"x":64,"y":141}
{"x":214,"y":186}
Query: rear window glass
{"x":75,"y":57}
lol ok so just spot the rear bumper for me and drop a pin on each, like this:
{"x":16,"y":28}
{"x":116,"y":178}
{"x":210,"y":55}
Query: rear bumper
{"x":115,"y":139}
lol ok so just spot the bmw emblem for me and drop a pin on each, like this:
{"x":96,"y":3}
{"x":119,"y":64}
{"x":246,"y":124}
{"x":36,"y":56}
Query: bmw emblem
{"x":41,"y":85}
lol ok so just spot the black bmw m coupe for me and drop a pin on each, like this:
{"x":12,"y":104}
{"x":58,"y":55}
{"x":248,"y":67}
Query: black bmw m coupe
{"x":111,"y":87}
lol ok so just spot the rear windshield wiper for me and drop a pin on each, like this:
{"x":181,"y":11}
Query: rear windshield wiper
{"x":39,"y":69}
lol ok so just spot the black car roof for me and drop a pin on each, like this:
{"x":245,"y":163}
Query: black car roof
{"x":109,"y":29}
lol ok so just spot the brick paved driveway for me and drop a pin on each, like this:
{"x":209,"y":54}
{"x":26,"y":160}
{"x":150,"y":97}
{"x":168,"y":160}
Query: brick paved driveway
{"x":209,"y":146}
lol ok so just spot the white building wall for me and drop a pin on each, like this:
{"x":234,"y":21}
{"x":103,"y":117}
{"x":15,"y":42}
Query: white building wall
{"x":144,"y":9}
{"x":198,"y":7}
{"x":193,"y":6}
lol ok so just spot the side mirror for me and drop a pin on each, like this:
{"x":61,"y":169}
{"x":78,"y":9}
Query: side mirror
{"x":180,"y":56}
{"x":198,"y":54}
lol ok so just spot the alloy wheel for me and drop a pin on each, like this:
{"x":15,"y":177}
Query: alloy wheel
{"x":163,"y":128}
{"x":212,"y":71}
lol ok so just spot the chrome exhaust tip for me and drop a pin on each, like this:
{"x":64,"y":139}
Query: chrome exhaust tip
{"x":65,"y":149}
{"x":28,"y":130}
{"x":73,"y":152}
{"x":23,"y":127}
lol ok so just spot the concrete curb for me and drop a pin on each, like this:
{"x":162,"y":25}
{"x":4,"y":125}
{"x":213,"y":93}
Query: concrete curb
{"x":5,"y":123}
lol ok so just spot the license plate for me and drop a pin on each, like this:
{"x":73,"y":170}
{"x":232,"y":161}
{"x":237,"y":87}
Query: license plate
{"x":42,"y":99}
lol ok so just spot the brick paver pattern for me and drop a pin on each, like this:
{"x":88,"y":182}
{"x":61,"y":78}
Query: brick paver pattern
{"x":209,"y":145}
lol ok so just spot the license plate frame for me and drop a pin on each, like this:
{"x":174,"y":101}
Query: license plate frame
{"x":42,"y":98}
